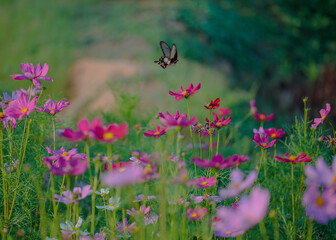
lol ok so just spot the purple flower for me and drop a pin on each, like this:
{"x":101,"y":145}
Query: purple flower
{"x":30,"y":91}
{"x":236,"y":221}
{"x":52,"y":107}
{"x":35,"y":74}
{"x":235,"y":160}
{"x":5,"y":119}
{"x":323,"y":113}
{"x":74,"y":196}
{"x":124,"y":228}
{"x":274,"y":133}
{"x":320,"y":207}
{"x":262,"y":141}
{"x":7,"y":98}
{"x":321,"y":174}
{"x":143,"y":198}
{"x":149,"y":217}
{"x":130,"y":175}
{"x":238,"y":184}
{"x":199,"y":199}
{"x":21,"y":106}
{"x":176,"y":120}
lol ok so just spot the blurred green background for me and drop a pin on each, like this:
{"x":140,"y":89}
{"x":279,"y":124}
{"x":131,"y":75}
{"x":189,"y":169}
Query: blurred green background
{"x":277,"y":51}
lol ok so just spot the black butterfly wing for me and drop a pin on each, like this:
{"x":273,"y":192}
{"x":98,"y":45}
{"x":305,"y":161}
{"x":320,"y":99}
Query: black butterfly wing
{"x":173,"y":54}
{"x":165,"y":49}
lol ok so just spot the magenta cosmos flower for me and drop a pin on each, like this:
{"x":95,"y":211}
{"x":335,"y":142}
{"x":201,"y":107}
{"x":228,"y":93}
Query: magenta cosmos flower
{"x":203,"y":182}
{"x":262,"y":141}
{"x":323,"y":113}
{"x":218,"y":123}
{"x":251,"y":210}
{"x":274,"y":133}
{"x":197,"y":213}
{"x":62,"y":153}
{"x":155,"y":133}
{"x":21,"y":106}
{"x":294,"y":159}
{"x":74,"y":164}
{"x":190,"y":90}
{"x":128,"y":176}
{"x":176,"y":120}
{"x":261,"y":117}
{"x":252,"y":106}
{"x":223,"y":112}
{"x":5,"y":119}
{"x":213,"y":104}
{"x":111,"y":133}
{"x":52,"y":107}
{"x":84,"y":130}
{"x":35,"y":74}
{"x":237,"y":184}
{"x":218,"y":161}
{"x":74,"y":196}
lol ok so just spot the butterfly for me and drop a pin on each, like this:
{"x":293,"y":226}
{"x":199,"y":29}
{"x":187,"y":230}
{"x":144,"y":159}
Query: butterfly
{"x":169,"y":55}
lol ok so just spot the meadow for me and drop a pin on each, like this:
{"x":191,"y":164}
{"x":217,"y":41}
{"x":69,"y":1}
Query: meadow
{"x":171,"y":177}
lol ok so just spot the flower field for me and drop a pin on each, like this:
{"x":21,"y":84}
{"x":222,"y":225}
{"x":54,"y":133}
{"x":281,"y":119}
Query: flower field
{"x":177,"y":177}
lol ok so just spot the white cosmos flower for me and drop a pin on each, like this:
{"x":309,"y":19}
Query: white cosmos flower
{"x":69,"y":227}
{"x":112,"y":204}
{"x":103,"y":192}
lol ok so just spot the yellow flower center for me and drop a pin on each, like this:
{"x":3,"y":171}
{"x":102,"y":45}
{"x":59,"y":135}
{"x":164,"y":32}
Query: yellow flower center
{"x":235,"y":185}
{"x":262,"y":116}
{"x":65,"y":154}
{"x":108,"y":136}
{"x":319,"y":201}
{"x":111,"y":204}
{"x":217,"y":165}
{"x":52,"y":109}
{"x":148,"y":169}
{"x":199,"y":125}
{"x":218,"y":124}
{"x":335,"y":179}
{"x":28,"y":92}
{"x":2,"y":115}
{"x":323,"y":117}
{"x":24,"y":110}
{"x":157,"y":133}
{"x":264,"y":144}
{"x":121,"y":169}
{"x":205,"y":195}
{"x":184,"y":92}
{"x":292,"y":157}
{"x":273,"y":135}
{"x":75,"y":228}
{"x":204,"y":183}
{"x":194,"y":215}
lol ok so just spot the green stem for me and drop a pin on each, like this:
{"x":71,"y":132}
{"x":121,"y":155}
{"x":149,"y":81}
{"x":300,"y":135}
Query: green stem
{"x":200,"y":141}
{"x":87,"y":150}
{"x":305,"y":117}
{"x":191,"y":134}
{"x":292,"y":176}
{"x":263,"y":230}
{"x":210,"y":131}
{"x":93,"y":198}
{"x":4,"y":178}
{"x":310,"y":229}
{"x":217,"y":142}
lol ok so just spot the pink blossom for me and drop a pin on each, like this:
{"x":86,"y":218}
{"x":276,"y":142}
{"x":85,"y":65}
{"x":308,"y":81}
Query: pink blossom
{"x":176,"y":120}
{"x":111,"y":133}
{"x":218,"y":123}
{"x":155,"y":133}
{"x":274,"y":133}
{"x":197,"y":213}
{"x":52,"y":107}
{"x":73,"y":196}
{"x":294,"y":159}
{"x":323,"y":113}
{"x":203,"y":182}
{"x":21,"y":106}
{"x":263,"y":117}
{"x":190,"y":90}
{"x":213,"y":104}
{"x":85,"y":130}
{"x":35,"y":74}
{"x":115,"y":178}
{"x":252,"y":106}
{"x":262,"y":141}
{"x":223,"y":112}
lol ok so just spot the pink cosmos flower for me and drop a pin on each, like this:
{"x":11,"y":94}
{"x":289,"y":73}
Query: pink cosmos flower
{"x":5,"y":119}
{"x":149,"y":217}
{"x":190,"y":90}
{"x":199,"y":199}
{"x":321,"y":174}
{"x":21,"y":106}
{"x":235,"y":160}
{"x":35,"y":74}
{"x":274,"y":133}
{"x":124,"y":228}
{"x":155,"y":133}
{"x":218,"y":123}
{"x":223,"y":112}
{"x":30,"y":91}
{"x":128,"y":176}
{"x":8,"y":98}
{"x":74,"y":196}
{"x":218,"y":161}
{"x":263,"y":117}
{"x":197,"y":213}
{"x":260,"y":131}
{"x":294,"y":159}
{"x":62,"y":153}
{"x":213,"y":104}
{"x":323,"y":113}
{"x":252,"y":106}
{"x":262,"y":141}
{"x":237,"y":184}
{"x":143,"y":198}
{"x":85,"y":130}
{"x":320,"y":207}
{"x":111,"y":133}
{"x":74,"y":164}
{"x":176,"y":120}
{"x":52,"y":108}
{"x":203,"y":182}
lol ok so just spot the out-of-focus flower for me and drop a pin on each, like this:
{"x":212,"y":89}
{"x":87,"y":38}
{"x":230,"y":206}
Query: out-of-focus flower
{"x":103,"y":192}
{"x":11,"y":167}
{"x":30,"y":91}
{"x":62,"y":153}
{"x":237,"y":184}
{"x":218,"y":123}
{"x":261,"y":117}
{"x":21,"y":106}
{"x":321,"y":174}
{"x":111,"y":133}
{"x":252,"y":106}
{"x":197,"y":213}
{"x":199,"y":199}
{"x":330,"y":141}
{"x":143,"y":198}
{"x":155,"y":133}
{"x":196,"y":127}
{"x":52,"y":107}
{"x":274,"y":133}
{"x":176,"y":120}
{"x":35,"y":74}
{"x":260,"y":131}
{"x":69,"y":229}
{"x":262,"y":141}
{"x":190,"y":90}
{"x":213,"y":104}
{"x":203,"y":182}
{"x":8,"y":98}
{"x":128,"y":176}
{"x":180,"y":202}
{"x":218,"y":161}
{"x":323,"y":113}
{"x":235,"y":160}
{"x":223,"y":112}
{"x":112,"y":205}
{"x":236,"y":221}
{"x":73,"y":196}
{"x":125,"y":229}
{"x":149,"y":217}
{"x":294,"y":159}
{"x":85,"y":130}
{"x":99,"y":236}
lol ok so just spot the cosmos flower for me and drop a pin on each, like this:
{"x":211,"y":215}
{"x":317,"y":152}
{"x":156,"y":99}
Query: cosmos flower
{"x":274,"y":133}
{"x":199,"y":199}
{"x":8,"y":98}
{"x":21,"y":107}
{"x":143,"y":198}
{"x":213,"y":104}
{"x":155,"y":133}
{"x":176,"y":120}
{"x":124,"y":228}
{"x":35,"y":74}
{"x":197,"y":213}
{"x":190,"y":90}
{"x":62,"y":153}
{"x":218,"y":123}
{"x":149,"y":217}
{"x":5,"y":119}
{"x":294,"y":159}
{"x":203,"y":182}
{"x":85,"y":130}
{"x":323,"y":113}
{"x":261,"y":117}
{"x":223,"y":112}
{"x":113,"y":204}
{"x":262,"y":141}
{"x":321,"y":174}
{"x":237,"y":184}
{"x":218,"y":161}
{"x":260,"y":131}
{"x":111,"y":133}
{"x":68,"y":229}
{"x":73,"y":196}
{"x":252,"y":106}
{"x":52,"y":107}
{"x":30,"y":91}
{"x":115,"y":178}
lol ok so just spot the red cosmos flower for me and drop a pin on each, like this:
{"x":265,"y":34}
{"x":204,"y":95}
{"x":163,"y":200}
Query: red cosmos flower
{"x":111,"y":133}
{"x":262,"y":141}
{"x":190,"y":90}
{"x":294,"y":159}
{"x":273,"y":133}
{"x":84,"y":130}
{"x":218,"y":123}
{"x":263,"y":117}
{"x":213,"y":104}
{"x":155,"y":133}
